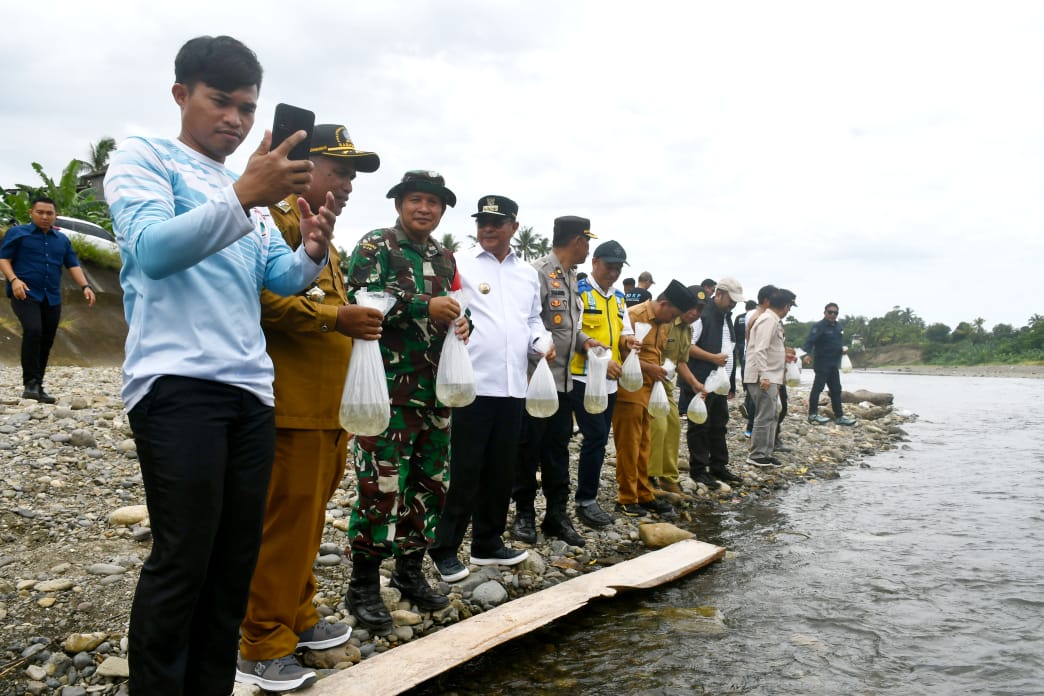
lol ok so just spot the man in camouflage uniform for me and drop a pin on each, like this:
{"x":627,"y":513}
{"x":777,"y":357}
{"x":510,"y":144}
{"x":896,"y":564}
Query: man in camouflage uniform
{"x":403,"y":473}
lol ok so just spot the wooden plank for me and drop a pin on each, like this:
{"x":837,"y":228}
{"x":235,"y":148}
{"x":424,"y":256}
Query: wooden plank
{"x":412,"y":663}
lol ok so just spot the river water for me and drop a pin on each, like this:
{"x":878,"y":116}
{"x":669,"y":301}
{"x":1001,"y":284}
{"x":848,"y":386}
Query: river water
{"x":919,"y":572}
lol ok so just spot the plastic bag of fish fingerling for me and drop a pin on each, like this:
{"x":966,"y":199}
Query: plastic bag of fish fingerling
{"x":630,"y":377}
{"x":596,"y":391}
{"x":659,"y":406}
{"x":365,"y":406}
{"x":455,"y":378}
{"x":717,"y":382}
{"x":793,"y":374}
{"x":846,"y":363}
{"x":697,"y":411}
{"x":542,"y":395}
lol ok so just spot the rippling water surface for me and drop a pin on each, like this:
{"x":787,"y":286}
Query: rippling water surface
{"x":919,"y":573}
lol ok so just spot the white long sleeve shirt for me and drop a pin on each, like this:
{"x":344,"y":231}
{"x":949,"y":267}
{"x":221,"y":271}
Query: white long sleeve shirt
{"x":504,"y":300}
{"x":193,"y":267}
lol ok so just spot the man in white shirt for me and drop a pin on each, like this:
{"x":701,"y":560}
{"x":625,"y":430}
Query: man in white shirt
{"x":503,"y":295}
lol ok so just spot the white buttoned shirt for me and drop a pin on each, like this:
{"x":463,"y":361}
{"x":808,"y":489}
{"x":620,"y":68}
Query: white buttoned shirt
{"x":504,"y":300}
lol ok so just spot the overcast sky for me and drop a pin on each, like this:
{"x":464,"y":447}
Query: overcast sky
{"x":870,"y":154}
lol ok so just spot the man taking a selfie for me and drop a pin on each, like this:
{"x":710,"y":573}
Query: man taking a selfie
{"x":198,"y":245}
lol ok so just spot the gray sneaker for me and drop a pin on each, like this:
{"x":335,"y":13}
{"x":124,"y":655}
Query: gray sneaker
{"x":324,"y":635}
{"x":280,"y":674}
{"x":846,"y":420}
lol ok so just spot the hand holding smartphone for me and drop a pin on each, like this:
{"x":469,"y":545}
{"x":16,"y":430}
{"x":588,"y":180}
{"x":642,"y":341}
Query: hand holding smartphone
{"x":288,"y":120}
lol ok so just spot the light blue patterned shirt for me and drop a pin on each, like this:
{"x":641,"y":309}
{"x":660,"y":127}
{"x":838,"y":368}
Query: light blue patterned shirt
{"x":193,"y":268}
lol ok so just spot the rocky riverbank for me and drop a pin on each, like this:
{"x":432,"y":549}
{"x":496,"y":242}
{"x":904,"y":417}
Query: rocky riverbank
{"x":74,"y":532}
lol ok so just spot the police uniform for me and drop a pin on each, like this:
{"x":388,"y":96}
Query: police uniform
{"x":546,"y":440}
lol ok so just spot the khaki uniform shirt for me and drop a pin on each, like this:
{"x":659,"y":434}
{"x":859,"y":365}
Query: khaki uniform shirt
{"x":651,"y":350}
{"x":560,"y":311}
{"x":310,"y":356}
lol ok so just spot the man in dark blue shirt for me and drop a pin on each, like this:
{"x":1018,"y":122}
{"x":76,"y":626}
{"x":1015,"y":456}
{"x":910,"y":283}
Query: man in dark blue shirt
{"x":31,"y":259}
{"x":826,"y":342}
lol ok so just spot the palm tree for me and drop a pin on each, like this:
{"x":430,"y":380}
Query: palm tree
{"x":530,"y":245}
{"x":98,"y":160}
{"x":450,"y":242}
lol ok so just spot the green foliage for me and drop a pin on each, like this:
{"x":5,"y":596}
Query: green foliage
{"x":98,"y":159}
{"x":101,"y":257}
{"x":937,"y":333}
{"x":69,"y":199}
{"x":450,"y":242}
{"x":530,"y":245}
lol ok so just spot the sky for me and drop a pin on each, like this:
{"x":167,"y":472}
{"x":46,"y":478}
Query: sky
{"x":870,"y":154}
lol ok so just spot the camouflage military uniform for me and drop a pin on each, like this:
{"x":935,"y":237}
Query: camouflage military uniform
{"x":403,"y":473}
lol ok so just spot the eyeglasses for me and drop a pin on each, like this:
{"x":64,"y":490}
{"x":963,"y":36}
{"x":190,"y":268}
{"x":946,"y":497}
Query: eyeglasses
{"x":831,"y":311}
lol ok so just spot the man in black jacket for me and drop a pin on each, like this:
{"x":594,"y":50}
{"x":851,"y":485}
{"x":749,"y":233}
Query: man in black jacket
{"x":713,"y":340}
{"x":826,"y":342}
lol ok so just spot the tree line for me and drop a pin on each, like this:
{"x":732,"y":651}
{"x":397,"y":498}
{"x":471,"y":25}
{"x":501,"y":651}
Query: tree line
{"x":967,"y":343}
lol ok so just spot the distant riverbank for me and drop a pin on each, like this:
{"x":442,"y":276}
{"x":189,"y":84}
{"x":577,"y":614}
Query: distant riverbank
{"x":1030,"y":371}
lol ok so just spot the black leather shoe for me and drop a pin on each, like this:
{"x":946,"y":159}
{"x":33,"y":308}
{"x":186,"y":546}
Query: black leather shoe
{"x":32,"y":390}
{"x":659,"y":506}
{"x":704,"y":477}
{"x":723,"y":474}
{"x":562,"y":528}
{"x":524,"y":528}
{"x":593,"y":515}
{"x":43,"y":397}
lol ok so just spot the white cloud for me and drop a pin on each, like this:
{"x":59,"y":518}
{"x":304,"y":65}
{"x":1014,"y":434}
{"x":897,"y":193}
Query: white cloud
{"x":874,"y":155}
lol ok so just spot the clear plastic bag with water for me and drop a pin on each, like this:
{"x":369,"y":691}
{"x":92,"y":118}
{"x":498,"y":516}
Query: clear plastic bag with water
{"x":542,"y":395}
{"x":793,"y":374}
{"x":717,"y":382}
{"x":846,"y":363}
{"x":455,"y":379}
{"x":697,"y":411}
{"x":596,"y":391}
{"x":365,"y":406}
{"x":659,"y":406}
{"x":630,"y":377}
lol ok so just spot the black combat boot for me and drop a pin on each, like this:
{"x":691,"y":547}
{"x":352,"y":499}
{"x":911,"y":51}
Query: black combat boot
{"x":557,"y":524}
{"x":524,"y":528}
{"x":364,"y":595}
{"x":409,"y":579}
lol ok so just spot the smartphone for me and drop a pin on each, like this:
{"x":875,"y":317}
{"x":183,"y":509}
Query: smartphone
{"x":288,"y":120}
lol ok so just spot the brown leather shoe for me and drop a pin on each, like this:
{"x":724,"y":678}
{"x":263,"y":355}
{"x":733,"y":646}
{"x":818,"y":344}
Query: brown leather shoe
{"x":671,"y":486}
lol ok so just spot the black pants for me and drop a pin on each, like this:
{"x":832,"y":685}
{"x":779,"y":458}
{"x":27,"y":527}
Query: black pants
{"x":594,"y":427}
{"x":205,"y":451}
{"x":39,"y":325}
{"x":483,"y":448}
{"x":707,"y":442}
{"x":831,"y":379}
{"x":545,"y":444}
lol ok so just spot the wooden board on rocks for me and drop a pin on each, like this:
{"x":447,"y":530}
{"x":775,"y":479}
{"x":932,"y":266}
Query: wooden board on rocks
{"x":408,"y":665}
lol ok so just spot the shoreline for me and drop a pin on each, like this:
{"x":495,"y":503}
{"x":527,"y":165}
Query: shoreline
{"x":1021,"y":371}
{"x":68,"y":566}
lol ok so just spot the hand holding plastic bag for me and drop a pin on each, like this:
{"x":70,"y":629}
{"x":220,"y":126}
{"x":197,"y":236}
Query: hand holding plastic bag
{"x":659,"y":406}
{"x":542,"y":395}
{"x":697,"y":411}
{"x":455,"y":379}
{"x":846,"y":363}
{"x":596,"y":392}
{"x":631,"y":370}
{"x":365,"y":406}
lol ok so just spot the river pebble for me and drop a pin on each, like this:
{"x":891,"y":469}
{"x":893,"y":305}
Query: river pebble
{"x":74,"y":527}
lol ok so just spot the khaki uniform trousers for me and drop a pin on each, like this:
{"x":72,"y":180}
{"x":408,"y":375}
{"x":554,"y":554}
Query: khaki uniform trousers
{"x":665,"y":439}
{"x":632,"y":428}
{"x":308,"y":468}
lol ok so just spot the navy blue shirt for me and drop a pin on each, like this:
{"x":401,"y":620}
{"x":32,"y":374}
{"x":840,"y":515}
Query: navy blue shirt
{"x":37,"y":258}
{"x":825,"y":342}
